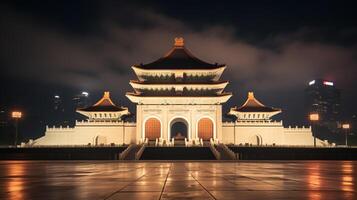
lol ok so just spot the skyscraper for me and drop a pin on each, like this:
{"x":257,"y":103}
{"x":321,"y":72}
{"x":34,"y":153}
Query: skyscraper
{"x":80,"y":100}
{"x":322,"y":97}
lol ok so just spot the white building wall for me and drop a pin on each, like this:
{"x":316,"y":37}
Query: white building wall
{"x":264,"y":133}
{"x":86,"y":132}
{"x":166,"y":114}
{"x":267,"y":133}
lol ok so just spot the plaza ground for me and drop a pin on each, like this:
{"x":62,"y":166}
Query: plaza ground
{"x":178,"y":180}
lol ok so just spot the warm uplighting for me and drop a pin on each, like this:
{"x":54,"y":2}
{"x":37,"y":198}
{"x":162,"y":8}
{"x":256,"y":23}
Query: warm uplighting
{"x":16,"y":114}
{"x":345,"y":126}
{"x":314,"y":117}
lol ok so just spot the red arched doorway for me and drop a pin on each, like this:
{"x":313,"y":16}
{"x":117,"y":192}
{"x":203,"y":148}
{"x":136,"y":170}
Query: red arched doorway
{"x":205,"y":129}
{"x":152,"y":129}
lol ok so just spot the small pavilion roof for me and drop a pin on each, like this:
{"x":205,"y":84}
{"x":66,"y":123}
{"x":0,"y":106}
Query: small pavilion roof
{"x":105,"y":104}
{"x":253,"y":105}
{"x":179,"y":58}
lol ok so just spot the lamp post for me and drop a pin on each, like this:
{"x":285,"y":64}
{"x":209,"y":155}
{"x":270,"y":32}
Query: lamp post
{"x":346,"y":127}
{"x":16,"y":115}
{"x":314,"y":117}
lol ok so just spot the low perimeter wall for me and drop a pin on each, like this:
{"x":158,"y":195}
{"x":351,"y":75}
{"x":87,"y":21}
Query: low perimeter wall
{"x":294,"y":153}
{"x":61,"y":153}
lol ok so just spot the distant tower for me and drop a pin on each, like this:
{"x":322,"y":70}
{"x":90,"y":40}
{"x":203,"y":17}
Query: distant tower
{"x":57,"y":103}
{"x":321,"y":96}
{"x":81,"y":100}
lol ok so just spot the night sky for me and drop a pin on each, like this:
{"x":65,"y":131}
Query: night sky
{"x":273,"y":48}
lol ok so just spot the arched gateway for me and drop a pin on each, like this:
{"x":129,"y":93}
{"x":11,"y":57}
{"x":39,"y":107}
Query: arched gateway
{"x":179,"y":129}
{"x":152,"y":129}
{"x":205,"y":129}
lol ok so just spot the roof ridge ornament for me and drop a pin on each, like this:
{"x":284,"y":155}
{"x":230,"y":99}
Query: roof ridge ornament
{"x":106,"y":97}
{"x":179,"y":42}
{"x":251,"y":95}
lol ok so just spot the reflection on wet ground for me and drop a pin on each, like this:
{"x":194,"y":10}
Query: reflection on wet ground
{"x":317,"y":180}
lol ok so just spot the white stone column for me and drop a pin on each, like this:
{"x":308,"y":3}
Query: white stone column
{"x":219,"y":122}
{"x":139,"y":121}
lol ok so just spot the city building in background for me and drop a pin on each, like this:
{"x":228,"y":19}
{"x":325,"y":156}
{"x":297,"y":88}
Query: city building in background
{"x":324,"y":98}
{"x":81,"y":100}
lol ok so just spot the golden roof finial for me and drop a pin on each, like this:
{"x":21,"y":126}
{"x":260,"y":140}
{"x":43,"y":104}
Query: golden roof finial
{"x":106,"y":95}
{"x":179,"y":42}
{"x":250,"y":95}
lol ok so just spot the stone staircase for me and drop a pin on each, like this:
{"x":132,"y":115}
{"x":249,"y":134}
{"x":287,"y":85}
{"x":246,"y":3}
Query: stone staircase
{"x":225,"y":152}
{"x":177,"y":153}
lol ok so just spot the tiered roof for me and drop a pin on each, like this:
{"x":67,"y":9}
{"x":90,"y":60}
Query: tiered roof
{"x":103,"y":106}
{"x":179,"y":58}
{"x":178,"y":74}
{"x":253,"y":106}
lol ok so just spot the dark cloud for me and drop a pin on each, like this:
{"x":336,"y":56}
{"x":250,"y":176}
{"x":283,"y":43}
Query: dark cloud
{"x":101,"y":60}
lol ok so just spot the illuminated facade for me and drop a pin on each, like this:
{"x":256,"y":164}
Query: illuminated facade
{"x":179,"y":100}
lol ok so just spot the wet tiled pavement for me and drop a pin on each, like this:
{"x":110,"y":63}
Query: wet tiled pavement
{"x":317,"y":180}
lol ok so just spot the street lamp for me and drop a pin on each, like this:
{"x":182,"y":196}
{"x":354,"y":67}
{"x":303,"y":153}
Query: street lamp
{"x":16,"y":115}
{"x":314,"y":117}
{"x":346,"y":127}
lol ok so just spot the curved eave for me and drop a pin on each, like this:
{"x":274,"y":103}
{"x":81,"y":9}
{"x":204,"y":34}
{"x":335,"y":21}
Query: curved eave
{"x":235,"y":111}
{"x":220,"y":85}
{"x":136,"y":98}
{"x":140,"y":72}
{"x":122,"y":112}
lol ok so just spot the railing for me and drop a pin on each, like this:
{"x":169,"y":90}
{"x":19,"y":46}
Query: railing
{"x":230,"y":153}
{"x":249,"y":122}
{"x":67,"y":146}
{"x":284,"y":146}
{"x":123,"y":154}
{"x":216,"y":154}
{"x":140,"y":152}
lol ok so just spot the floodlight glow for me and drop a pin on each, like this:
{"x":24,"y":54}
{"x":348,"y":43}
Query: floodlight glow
{"x":329,"y":83}
{"x":57,"y":97}
{"x":312,"y":82}
{"x":16,"y":114}
{"x":85,"y":93}
{"x":314,"y":117}
{"x":345,"y":126}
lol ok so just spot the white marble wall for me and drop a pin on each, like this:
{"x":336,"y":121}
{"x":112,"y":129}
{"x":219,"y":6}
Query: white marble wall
{"x":89,"y":132}
{"x":167,"y":114}
{"x":266,"y":133}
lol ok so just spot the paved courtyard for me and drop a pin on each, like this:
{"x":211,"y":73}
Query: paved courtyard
{"x":178,"y":180}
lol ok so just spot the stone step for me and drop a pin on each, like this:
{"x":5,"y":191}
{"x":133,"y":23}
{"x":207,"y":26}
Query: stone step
{"x":177,"y":153}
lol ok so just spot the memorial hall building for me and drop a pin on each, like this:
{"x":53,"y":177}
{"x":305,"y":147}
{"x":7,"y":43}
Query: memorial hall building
{"x":178,"y":101}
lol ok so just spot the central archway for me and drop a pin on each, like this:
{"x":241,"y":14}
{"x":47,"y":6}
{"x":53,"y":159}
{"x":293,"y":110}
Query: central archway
{"x":179,"y":129}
